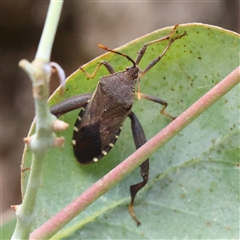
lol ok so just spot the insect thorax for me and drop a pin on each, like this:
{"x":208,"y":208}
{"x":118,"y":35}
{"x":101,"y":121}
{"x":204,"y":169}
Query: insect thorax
{"x":119,"y":89}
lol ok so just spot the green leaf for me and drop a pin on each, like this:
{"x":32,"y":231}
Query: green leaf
{"x":193,"y":190}
{"x":7,"y":228}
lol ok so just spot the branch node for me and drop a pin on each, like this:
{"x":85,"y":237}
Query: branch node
{"x":15,"y":207}
{"x":27,"y":140}
{"x":59,"y":125}
{"x":59,"y":142}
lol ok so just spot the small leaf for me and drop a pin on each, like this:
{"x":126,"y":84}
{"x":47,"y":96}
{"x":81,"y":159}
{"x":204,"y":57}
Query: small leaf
{"x":193,"y":190}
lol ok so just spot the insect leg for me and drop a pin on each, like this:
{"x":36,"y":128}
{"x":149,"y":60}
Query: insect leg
{"x":104,"y":63}
{"x":70,"y":104}
{"x":167,"y":37}
{"x":157,"y":100}
{"x":139,"y":139}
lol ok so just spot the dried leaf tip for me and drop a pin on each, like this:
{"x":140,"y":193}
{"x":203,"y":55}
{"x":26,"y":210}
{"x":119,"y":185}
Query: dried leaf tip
{"x":61,"y":75}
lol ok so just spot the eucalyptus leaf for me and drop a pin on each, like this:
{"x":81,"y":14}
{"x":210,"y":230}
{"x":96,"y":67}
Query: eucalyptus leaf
{"x":193,"y":189}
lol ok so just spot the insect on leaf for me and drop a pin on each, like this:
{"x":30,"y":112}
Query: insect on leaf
{"x":193,"y":189}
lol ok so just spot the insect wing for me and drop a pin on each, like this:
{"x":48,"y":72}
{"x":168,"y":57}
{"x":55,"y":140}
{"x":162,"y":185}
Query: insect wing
{"x":111,"y":123}
{"x":97,"y":127}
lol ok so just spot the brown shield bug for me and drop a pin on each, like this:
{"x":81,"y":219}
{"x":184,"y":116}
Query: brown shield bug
{"x":103,"y":113}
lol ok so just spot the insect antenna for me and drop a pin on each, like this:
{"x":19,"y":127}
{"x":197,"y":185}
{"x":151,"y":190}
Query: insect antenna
{"x":122,"y":54}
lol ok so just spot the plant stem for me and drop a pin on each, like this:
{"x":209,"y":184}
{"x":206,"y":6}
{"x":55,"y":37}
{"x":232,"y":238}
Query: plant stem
{"x":39,"y":71}
{"x":53,"y":225}
{"x":25,"y":211}
{"x":50,"y":27}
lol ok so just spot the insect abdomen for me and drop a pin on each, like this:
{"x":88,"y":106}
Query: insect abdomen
{"x":87,"y":143}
